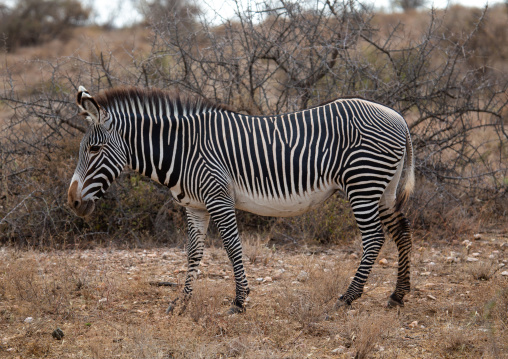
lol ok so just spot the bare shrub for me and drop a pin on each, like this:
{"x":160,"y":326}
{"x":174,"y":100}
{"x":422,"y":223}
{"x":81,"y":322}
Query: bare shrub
{"x":181,"y":11}
{"x":277,"y":58}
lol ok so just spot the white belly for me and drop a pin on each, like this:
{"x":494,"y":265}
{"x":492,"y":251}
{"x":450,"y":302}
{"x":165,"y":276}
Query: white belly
{"x":282,"y":207}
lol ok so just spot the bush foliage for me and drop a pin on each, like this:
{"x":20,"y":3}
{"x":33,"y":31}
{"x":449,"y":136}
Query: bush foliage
{"x":272,"y":60}
{"x":33,"y":22}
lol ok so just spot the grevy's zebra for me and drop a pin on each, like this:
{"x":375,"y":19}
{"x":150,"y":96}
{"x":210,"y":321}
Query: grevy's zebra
{"x":215,"y":160}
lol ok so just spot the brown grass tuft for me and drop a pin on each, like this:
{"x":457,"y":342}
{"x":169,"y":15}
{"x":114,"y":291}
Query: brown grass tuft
{"x":311,"y":304}
{"x":481,"y":270}
{"x":371,"y":330}
{"x":455,"y":340}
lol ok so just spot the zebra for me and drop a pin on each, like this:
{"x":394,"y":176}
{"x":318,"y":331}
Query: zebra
{"x":215,"y":161}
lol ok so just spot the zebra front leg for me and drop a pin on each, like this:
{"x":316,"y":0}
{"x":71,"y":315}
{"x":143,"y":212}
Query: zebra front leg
{"x":223,"y":214}
{"x":367,"y":218}
{"x":400,"y":229}
{"x":197,"y":223}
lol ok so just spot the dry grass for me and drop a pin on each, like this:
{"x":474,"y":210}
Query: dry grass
{"x":103,"y":302}
{"x":482,"y":270}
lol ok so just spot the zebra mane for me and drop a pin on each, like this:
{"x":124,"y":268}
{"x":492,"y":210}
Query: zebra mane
{"x":178,"y":103}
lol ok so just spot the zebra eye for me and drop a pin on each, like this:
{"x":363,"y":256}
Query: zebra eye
{"x":95,"y":148}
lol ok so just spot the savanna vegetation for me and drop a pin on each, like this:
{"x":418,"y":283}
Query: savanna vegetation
{"x":446,"y":71}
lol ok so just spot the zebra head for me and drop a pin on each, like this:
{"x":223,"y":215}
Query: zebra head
{"x":102,"y":157}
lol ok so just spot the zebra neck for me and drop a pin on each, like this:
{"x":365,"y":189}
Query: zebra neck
{"x":156,"y":144}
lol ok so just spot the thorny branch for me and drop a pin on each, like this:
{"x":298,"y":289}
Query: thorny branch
{"x":279,"y":59}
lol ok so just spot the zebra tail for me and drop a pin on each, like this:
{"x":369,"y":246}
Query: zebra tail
{"x":408,"y":183}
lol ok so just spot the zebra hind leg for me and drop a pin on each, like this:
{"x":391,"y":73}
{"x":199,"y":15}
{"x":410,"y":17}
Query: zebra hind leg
{"x":367,"y":218}
{"x":399,"y":228}
{"x":197,"y":222}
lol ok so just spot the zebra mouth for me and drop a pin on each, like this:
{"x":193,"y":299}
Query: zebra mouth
{"x":84,"y":208}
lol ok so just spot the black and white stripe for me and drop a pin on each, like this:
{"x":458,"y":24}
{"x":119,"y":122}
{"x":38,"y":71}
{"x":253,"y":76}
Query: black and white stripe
{"x":215,"y":160}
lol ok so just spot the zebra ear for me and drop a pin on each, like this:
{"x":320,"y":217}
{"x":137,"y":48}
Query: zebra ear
{"x":91,"y":108}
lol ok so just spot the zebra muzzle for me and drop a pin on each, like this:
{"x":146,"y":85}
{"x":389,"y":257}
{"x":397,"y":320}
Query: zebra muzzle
{"x":81,"y":207}
{"x":84,"y":208}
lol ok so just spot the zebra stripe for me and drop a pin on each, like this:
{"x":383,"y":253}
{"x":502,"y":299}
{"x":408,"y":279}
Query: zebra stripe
{"x":215,"y":161}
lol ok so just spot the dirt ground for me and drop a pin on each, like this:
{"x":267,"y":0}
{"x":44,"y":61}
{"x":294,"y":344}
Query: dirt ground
{"x":105,"y":306}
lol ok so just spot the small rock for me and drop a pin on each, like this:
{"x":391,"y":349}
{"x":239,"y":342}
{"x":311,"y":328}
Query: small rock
{"x":267,"y":280}
{"x":383,"y":262}
{"x":302,"y":276}
{"x":259,"y":279}
{"x":467,"y":243}
{"x":102,"y":300}
{"x":430,"y":296}
{"x":425,"y":273}
{"x":353,"y":256}
{"x":339,"y":350}
{"x":477,"y":236}
{"x":471,"y":259}
{"x":505,"y":273}
{"x":476,"y":254}
{"x":58,"y":334}
{"x":413,"y":324}
{"x":29,"y":320}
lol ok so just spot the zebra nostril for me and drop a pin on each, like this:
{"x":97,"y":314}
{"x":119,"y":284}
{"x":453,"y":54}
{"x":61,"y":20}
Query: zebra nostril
{"x":76,"y":204}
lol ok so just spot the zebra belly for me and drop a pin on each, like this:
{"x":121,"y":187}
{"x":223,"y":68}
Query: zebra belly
{"x":282,"y":207}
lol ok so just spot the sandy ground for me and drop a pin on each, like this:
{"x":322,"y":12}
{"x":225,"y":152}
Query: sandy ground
{"x":104,"y":304}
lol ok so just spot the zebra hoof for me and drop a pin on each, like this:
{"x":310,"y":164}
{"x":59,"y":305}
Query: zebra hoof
{"x":235,"y":310}
{"x":394,"y":303}
{"x":171,"y":307}
{"x":342,"y":303}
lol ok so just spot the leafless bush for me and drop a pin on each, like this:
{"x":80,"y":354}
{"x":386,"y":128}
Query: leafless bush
{"x":288,"y":57}
{"x":276,"y":58}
